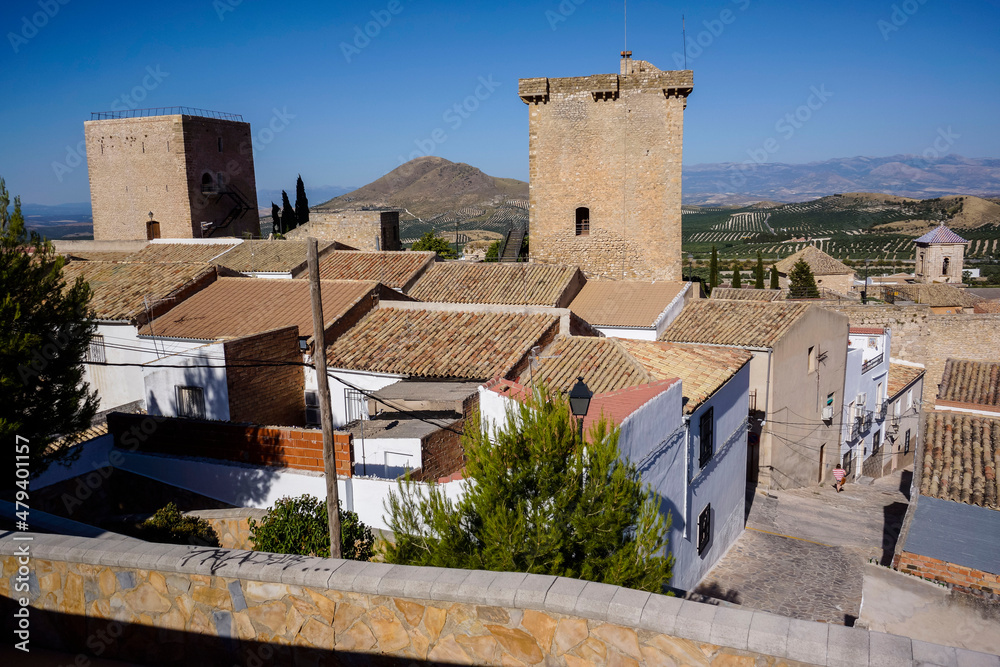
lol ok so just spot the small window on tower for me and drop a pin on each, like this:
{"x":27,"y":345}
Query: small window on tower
{"x":583,"y":221}
{"x":945,"y":266}
{"x":220,"y":144}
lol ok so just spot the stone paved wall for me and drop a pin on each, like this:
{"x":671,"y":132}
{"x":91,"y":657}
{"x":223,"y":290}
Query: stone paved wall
{"x":165,"y":604}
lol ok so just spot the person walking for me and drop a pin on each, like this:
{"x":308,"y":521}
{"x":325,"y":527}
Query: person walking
{"x":839,"y":474}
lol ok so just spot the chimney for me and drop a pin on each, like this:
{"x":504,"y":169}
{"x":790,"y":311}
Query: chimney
{"x":626,"y":62}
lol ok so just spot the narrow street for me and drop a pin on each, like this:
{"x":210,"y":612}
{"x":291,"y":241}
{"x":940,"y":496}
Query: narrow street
{"x":803,"y":551}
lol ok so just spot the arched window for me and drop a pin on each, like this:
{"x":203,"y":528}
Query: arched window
{"x":583,"y":221}
{"x":945,"y":266}
{"x":207,"y":186}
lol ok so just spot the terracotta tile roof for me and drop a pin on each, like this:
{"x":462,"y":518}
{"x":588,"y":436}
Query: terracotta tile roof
{"x":749,"y":324}
{"x":446,"y":344}
{"x":940,"y":234}
{"x":120,"y":288}
{"x":95,"y":256}
{"x":393,"y":268}
{"x":624,"y":303}
{"x":933,"y":294}
{"x":900,"y":376}
{"x":820,"y":263}
{"x":276,"y":256}
{"x":866,"y":331}
{"x":180,"y":252}
{"x":610,"y":364}
{"x":960,"y":458}
{"x":739,"y":294}
{"x":78,"y":438}
{"x":500,"y":283}
{"x":986,"y":307}
{"x":617,"y":405}
{"x":236,"y":307}
{"x":973,"y":382}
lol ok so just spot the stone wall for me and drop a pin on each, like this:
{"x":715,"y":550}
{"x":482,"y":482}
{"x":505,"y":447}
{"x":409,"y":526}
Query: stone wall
{"x":232,"y":525}
{"x":612,"y":144}
{"x":960,"y":577}
{"x":299,"y":448}
{"x":361,"y":230}
{"x":930,"y":262}
{"x":165,"y":604}
{"x":268,"y":394}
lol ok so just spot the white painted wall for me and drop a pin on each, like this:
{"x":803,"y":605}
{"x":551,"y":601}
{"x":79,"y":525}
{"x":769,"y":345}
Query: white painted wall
{"x":117,"y":385}
{"x":864,"y":347}
{"x":93,"y":455}
{"x":386,"y":458}
{"x":365,"y":381}
{"x":161,"y":379}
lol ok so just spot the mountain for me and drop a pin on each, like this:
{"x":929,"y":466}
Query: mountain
{"x":72,"y":209}
{"x":428,"y":187}
{"x":903,"y":175}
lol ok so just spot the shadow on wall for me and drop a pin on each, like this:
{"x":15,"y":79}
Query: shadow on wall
{"x":90,"y":637}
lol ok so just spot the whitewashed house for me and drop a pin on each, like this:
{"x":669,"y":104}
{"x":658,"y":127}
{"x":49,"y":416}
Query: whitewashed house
{"x":866,"y":394}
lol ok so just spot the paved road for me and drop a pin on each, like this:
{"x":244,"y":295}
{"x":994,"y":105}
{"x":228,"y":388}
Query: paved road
{"x":804,"y":551}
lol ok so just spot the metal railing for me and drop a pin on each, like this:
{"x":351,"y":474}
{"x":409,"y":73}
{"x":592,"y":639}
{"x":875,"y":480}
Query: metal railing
{"x":164,"y":111}
{"x":872,"y":363}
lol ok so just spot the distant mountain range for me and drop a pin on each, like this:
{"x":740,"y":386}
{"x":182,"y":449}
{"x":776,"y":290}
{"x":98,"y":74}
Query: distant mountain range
{"x":903,"y":175}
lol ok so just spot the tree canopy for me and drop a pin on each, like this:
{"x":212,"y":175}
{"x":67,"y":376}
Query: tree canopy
{"x":774,"y":277}
{"x":713,"y":270}
{"x":737,"y":267}
{"x":288,"y":219}
{"x":758,"y":272}
{"x":45,"y":332}
{"x":802,"y":284}
{"x":538,"y":499}
{"x":431,"y":241}
{"x":301,"y":202}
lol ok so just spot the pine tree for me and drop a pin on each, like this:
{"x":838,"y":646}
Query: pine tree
{"x":737,"y":267}
{"x":759,"y":272}
{"x":713,"y":270}
{"x":288,"y":219}
{"x":802,"y":284}
{"x":538,"y":501}
{"x":45,"y":331}
{"x":276,"y":219}
{"x":774,"y":277}
{"x":301,"y":203}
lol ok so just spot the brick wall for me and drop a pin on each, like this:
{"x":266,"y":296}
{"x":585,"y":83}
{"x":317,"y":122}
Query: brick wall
{"x":965,"y":579}
{"x":266,"y":394}
{"x":287,"y":447}
{"x":442,"y":454}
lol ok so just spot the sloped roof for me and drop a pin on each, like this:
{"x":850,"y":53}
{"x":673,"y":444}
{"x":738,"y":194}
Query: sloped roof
{"x":972,"y":382}
{"x":181,"y":252}
{"x":236,"y":307}
{"x":960,"y":458}
{"x":274,"y":256}
{"x":121,"y":289}
{"x":901,"y":375}
{"x":610,"y":364}
{"x":397,"y":269}
{"x":987,"y":307}
{"x":494,"y":282}
{"x":941,"y":234}
{"x":740,"y":294}
{"x":741,"y":323}
{"x":624,"y":303}
{"x":819,"y":262}
{"x":446,"y":344}
{"x":96,"y":255}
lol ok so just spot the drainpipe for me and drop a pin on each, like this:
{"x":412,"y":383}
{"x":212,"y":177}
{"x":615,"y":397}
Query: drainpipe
{"x":763,"y":423}
{"x":687,"y":470}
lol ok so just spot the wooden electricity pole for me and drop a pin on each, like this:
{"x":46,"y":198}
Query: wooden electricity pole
{"x":326,"y":416}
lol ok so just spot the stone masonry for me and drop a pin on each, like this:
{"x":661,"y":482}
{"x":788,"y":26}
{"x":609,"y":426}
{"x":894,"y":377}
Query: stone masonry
{"x":361,"y":230}
{"x":609,"y":146}
{"x":167,"y":604}
{"x":158,"y":165}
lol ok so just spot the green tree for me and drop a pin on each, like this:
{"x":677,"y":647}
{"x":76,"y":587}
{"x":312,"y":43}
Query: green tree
{"x":774,"y":277}
{"x":493,"y":252}
{"x":276,"y":218}
{"x":539,"y":500}
{"x":288,"y":219}
{"x":430,"y":241}
{"x":301,"y":526}
{"x":301,"y":202}
{"x":713,"y":270}
{"x":802,"y":284}
{"x":737,"y":267}
{"x":45,"y":331}
{"x":758,"y":273}
{"x":170,"y":526}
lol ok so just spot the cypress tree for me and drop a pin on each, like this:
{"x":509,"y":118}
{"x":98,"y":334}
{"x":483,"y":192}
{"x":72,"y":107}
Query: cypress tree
{"x":276,"y":219}
{"x":301,"y":202}
{"x":737,"y":267}
{"x":802,"y":283}
{"x":288,"y":219}
{"x":759,"y":272}
{"x":713,"y":270}
{"x":774,"y":277}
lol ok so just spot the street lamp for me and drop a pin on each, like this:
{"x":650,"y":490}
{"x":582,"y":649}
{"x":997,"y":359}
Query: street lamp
{"x":579,"y":402}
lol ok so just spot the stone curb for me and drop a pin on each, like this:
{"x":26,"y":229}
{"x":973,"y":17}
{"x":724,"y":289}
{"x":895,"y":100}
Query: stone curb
{"x":730,"y":627}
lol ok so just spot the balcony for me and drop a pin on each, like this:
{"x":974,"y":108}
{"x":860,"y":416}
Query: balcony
{"x":872,"y":363}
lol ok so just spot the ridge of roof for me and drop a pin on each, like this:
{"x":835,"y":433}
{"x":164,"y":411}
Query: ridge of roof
{"x":940,"y":234}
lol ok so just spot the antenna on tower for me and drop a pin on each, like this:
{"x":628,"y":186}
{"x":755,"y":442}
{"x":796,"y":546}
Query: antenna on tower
{"x":684,"y":39}
{"x":625,"y":46}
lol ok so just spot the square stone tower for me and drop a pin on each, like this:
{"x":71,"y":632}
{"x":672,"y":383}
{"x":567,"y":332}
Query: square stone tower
{"x":940,"y":254}
{"x":192,"y":169}
{"x":604,"y":155}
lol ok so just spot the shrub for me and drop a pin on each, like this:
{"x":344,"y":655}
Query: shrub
{"x":300,"y":526}
{"x":170,"y":526}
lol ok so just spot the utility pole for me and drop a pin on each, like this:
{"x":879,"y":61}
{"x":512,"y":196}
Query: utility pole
{"x":326,"y":416}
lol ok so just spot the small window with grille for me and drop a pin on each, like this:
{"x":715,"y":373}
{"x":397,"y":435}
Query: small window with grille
{"x":190,"y":402}
{"x":706,"y":437}
{"x":704,"y":529}
{"x":356,"y":407}
{"x":312,"y":408}
{"x":583,"y":221}
{"x":95,"y":351}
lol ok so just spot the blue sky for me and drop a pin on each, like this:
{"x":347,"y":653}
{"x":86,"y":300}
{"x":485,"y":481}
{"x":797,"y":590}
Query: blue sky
{"x":889,"y":75}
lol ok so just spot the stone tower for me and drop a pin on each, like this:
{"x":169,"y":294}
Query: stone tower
{"x":604,"y":155}
{"x":940,"y":254}
{"x":192,"y":169}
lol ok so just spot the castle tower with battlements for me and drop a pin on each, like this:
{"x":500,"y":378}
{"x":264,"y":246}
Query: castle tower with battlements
{"x":604,"y":156}
{"x":171,"y":173}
